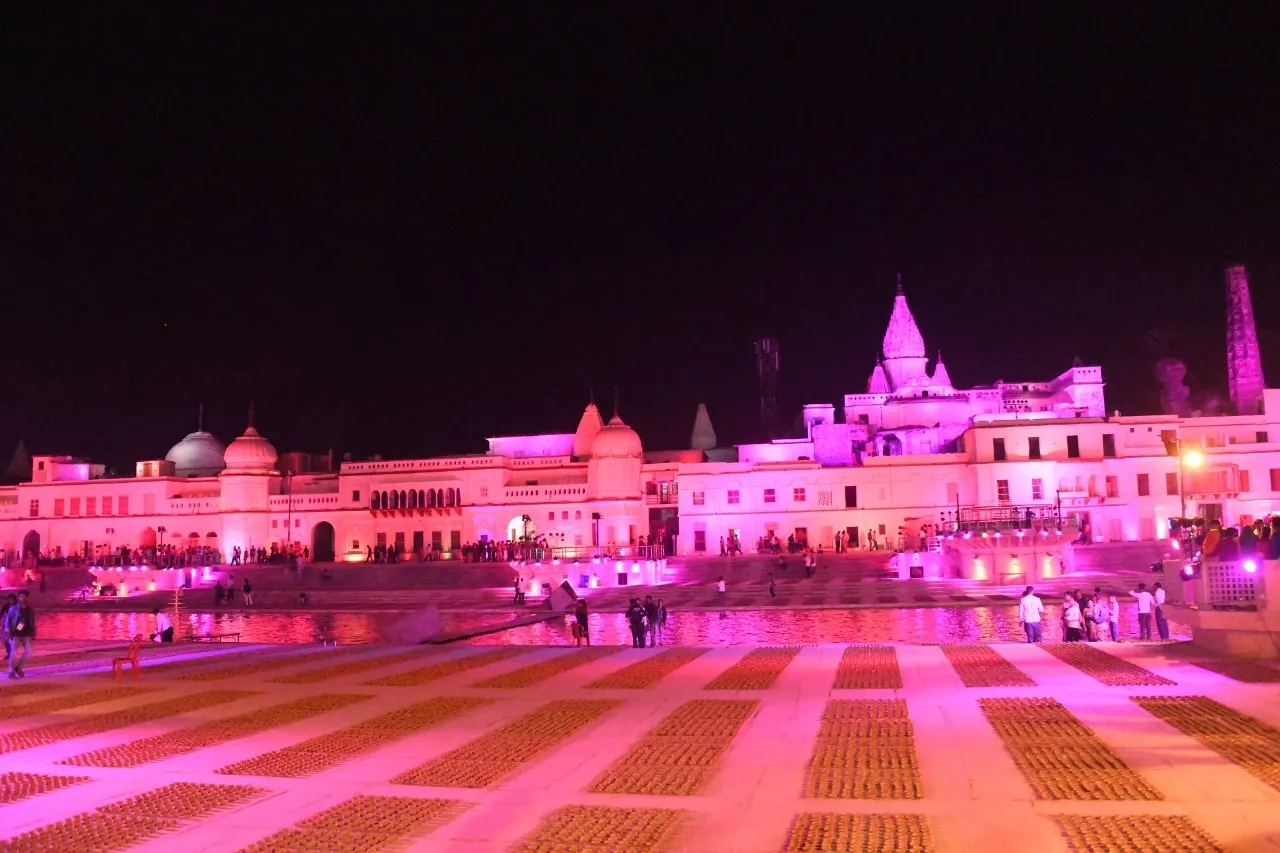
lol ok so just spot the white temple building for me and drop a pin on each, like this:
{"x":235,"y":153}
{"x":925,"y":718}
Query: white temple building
{"x":911,"y":456}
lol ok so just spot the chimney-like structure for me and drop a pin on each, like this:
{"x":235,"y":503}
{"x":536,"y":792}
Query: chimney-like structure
{"x":1244,"y":361}
{"x":767,"y":370}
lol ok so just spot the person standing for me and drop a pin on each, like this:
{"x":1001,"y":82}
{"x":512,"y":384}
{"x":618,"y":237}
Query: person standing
{"x":662,"y":621}
{"x":635,"y":617}
{"x":773,"y":588}
{"x":1030,"y":611}
{"x":720,"y":588}
{"x":1101,"y":616}
{"x":1146,"y":603}
{"x":247,"y":589}
{"x":580,"y":614}
{"x":1071,"y":619}
{"x":20,"y":627}
{"x":1113,"y":614}
{"x":651,"y":618}
{"x":10,"y":602}
{"x":1162,"y":624}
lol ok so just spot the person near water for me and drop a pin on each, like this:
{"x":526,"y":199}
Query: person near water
{"x":1030,"y":611}
{"x":164,"y":627}
{"x":20,"y":627}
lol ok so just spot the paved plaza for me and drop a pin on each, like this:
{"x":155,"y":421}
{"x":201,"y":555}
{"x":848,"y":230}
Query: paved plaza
{"x":752,"y":749}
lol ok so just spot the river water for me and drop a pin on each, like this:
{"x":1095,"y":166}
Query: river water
{"x":699,"y":628}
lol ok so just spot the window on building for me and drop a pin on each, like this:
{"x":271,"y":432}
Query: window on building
{"x":355,"y":496}
{"x":1073,"y":447}
{"x":733,"y":496}
{"x":1244,"y":480}
{"x":1002,"y":491}
{"x":825,"y":498}
{"x":355,"y":544}
{"x":770,"y":496}
{"x":1144,"y":485}
{"x":1113,"y":486}
{"x":275,"y":522}
{"x":40,"y":466}
{"x":577,"y":515}
{"x":437,"y":540}
{"x":1260,"y":436}
{"x":1033,"y":447}
{"x":1275,"y":479}
{"x":699,"y":541}
{"x":1109,"y":444}
{"x":90,"y":506}
{"x":59,"y":507}
{"x":564,"y":515}
{"x":997,"y":449}
{"x":1167,"y":435}
{"x":455,"y":540}
{"x":1037,"y":489}
{"x":297,"y":522}
{"x":551,"y":516}
{"x":75,"y":506}
{"x":699,"y":498}
{"x":106,"y":506}
{"x":1171,"y":482}
{"x":651,"y":488}
{"x":484,"y":491}
{"x":33,"y":508}
{"x":148,"y":504}
{"x":797,"y":494}
{"x":850,"y":496}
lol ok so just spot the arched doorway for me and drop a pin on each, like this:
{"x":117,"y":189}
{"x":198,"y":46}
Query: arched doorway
{"x":31,"y":543}
{"x":322,"y":539}
{"x":519,"y":527}
{"x":147,"y":538}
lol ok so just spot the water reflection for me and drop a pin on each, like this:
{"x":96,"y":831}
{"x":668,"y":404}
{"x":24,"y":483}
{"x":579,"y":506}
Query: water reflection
{"x":735,"y":627}
{"x":761,"y":627}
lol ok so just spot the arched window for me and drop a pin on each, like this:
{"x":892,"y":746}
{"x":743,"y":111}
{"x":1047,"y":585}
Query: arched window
{"x":413,"y":500}
{"x":373,"y":501}
{"x":439,"y":497}
{"x":385,"y":505}
{"x":448,"y":497}
{"x":422,"y":498}
{"x":404,"y":503}
{"x":457,"y":495}
{"x":431,"y":498}
{"x":395,"y":501}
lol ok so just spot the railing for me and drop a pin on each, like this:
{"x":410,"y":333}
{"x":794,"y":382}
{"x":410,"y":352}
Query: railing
{"x":670,"y":499}
{"x":1003,"y":517}
{"x":538,"y":494}
{"x":609,"y":552}
{"x":179,"y":506}
{"x":1229,"y":585}
{"x":303,"y":501}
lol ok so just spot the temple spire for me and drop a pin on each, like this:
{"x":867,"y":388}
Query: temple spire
{"x":703,"y":436}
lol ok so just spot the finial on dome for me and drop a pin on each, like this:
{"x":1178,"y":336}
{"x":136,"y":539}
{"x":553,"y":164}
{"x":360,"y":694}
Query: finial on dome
{"x":900,"y":291}
{"x":200,"y":419}
{"x":251,"y":414}
{"x":615,"y":401}
{"x":591,"y":395}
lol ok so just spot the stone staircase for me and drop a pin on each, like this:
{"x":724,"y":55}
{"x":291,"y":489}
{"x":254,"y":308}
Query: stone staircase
{"x":1116,"y":557}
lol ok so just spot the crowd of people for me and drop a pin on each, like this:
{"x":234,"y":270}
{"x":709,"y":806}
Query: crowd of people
{"x":1094,"y":618}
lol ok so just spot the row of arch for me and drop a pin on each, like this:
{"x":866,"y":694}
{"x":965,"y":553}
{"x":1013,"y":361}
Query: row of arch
{"x":422,"y":498}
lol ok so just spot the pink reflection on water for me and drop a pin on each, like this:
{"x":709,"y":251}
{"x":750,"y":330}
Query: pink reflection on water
{"x":700,"y":628}
{"x":764,"y":627}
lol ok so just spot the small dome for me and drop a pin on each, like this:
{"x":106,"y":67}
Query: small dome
{"x":616,"y":439}
{"x":200,"y":454}
{"x":250,"y":453}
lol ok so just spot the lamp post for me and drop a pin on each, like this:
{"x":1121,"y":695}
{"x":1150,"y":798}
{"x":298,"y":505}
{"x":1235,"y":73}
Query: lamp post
{"x":1186,"y":459}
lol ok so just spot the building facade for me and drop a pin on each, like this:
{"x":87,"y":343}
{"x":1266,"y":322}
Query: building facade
{"x":912,"y":456}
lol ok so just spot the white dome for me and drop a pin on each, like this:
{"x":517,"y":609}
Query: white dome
{"x":197,"y":455}
{"x":250,"y":453}
{"x":616,"y":439}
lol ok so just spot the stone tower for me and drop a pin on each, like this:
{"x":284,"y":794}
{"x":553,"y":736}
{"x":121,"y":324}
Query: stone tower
{"x":1244,"y":362}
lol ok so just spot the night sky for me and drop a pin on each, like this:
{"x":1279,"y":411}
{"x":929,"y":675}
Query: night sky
{"x":402,"y":234}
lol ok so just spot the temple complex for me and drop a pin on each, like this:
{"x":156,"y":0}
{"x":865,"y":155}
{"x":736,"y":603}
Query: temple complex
{"x":912,"y":456}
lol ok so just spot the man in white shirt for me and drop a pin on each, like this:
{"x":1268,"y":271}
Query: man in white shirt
{"x":164,"y":627}
{"x":1146,"y":603}
{"x":1162,"y":624}
{"x":1030,"y":609}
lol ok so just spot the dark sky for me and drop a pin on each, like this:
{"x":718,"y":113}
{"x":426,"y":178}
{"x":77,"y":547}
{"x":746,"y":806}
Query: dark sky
{"x":402,"y":233}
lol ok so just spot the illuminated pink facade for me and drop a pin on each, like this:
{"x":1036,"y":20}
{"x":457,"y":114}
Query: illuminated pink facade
{"x":909,"y":453}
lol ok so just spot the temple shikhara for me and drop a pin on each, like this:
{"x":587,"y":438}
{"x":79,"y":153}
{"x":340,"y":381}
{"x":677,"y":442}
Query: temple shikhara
{"x":910,"y":460}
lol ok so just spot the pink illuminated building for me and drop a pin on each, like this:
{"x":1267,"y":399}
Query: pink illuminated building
{"x":910,"y":457}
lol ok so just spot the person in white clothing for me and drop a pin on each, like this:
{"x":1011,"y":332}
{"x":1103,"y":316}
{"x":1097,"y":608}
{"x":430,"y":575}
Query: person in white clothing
{"x":1071,"y":618}
{"x":1146,"y":603}
{"x":164,"y":627}
{"x":1030,"y":610}
{"x":1113,"y":613}
{"x":1162,"y":624}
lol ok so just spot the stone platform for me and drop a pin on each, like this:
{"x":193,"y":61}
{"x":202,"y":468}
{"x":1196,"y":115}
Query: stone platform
{"x":754,"y":750}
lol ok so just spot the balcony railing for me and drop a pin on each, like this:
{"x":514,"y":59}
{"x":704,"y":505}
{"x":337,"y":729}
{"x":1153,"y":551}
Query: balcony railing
{"x":1002,"y":517}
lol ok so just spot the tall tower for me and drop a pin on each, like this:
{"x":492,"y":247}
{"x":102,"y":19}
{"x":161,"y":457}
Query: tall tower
{"x":904,"y":356}
{"x":767,"y":368}
{"x":1244,"y":362}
